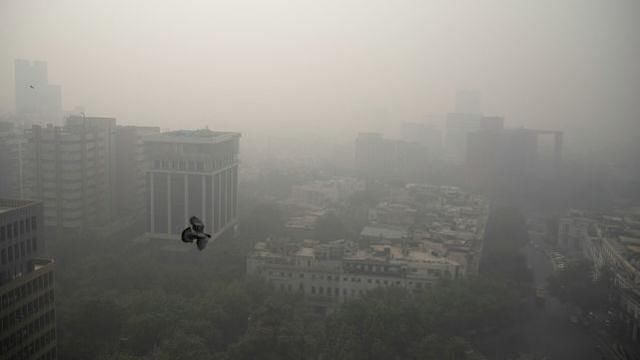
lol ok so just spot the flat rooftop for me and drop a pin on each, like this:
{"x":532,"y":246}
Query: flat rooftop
{"x":193,"y":136}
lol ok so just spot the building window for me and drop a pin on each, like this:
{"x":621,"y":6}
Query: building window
{"x":1,"y":233}
{"x":21,"y":227}
{"x":313,"y":289}
{"x":369,"y":281}
{"x":34,"y":223}
{"x":9,"y":232}
{"x":34,"y":244}
{"x":28,"y":224}
{"x":302,"y":275}
{"x":321,"y":290}
{"x":10,"y":253}
{"x":4,"y":256}
{"x":22,"y":250}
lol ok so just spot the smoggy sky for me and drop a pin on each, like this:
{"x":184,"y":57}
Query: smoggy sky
{"x":335,"y":64}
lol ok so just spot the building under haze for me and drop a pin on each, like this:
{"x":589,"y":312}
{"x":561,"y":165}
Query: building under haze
{"x":27,"y":311}
{"x":37,"y":101}
{"x":130,"y":170}
{"x":191,"y":173}
{"x":71,"y":169}
{"x":509,"y":159}
{"x":459,"y":126}
{"x":11,"y":149}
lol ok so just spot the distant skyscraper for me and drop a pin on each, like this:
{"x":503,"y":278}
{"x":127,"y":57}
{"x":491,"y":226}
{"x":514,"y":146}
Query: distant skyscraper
{"x":191,"y":173}
{"x":27,"y":311}
{"x":459,"y":126}
{"x":504,"y":160}
{"x":37,"y":101}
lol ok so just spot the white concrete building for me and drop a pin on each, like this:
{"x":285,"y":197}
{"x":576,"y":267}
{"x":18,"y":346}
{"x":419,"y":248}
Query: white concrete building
{"x":330,"y":274}
{"x":191,"y":173}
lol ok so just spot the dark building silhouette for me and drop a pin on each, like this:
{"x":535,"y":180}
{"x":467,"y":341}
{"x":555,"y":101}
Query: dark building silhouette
{"x":508,"y":160}
{"x":27,"y":310}
{"x":130,"y":170}
{"x":459,"y":126}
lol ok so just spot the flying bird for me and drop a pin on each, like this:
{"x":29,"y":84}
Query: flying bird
{"x":31,"y":86}
{"x":196,"y":233}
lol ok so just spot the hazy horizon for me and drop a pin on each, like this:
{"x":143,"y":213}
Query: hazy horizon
{"x":336,"y":66}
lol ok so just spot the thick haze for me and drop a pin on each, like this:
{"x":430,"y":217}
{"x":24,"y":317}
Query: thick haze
{"x":333,"y":65}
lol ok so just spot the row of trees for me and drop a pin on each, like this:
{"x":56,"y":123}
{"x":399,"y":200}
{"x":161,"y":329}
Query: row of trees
{"x":117,"y":299}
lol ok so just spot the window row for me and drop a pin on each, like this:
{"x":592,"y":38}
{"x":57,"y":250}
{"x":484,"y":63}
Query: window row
{"x":18,"y":251}
{"x":11,"y":297}
{"x":33,"y":307}
{"x":18,"y":228}
{"x":184,"y":165}
{"x":27,"y":351}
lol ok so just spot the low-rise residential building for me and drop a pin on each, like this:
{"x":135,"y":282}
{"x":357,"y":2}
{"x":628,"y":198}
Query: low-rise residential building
{"x":445,"y":242}
{"x":330,"y":274}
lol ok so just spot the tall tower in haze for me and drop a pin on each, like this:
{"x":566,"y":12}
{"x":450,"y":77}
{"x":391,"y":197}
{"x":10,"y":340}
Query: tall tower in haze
{"x":37,"y":101}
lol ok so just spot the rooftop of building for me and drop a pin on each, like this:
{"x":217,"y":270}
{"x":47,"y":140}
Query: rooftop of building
{"x":12,"y":204}
{"x":200,"y":136}
{"x":384,"y":231}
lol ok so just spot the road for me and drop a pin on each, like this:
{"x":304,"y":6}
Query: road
{"x":549,"y":332}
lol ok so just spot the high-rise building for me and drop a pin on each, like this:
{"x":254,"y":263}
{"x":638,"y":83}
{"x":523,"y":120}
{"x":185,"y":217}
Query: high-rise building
{"x":191,"y":173}
{"x":37,"y":101}
{"x":510,"y":159}
{"x":71,"y":169}
{"x":27,"y":311}
{"x":11,"y":147}
{"x":502,"y":159}
{"x":459,"y":126}
{"x":130,"y":173}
